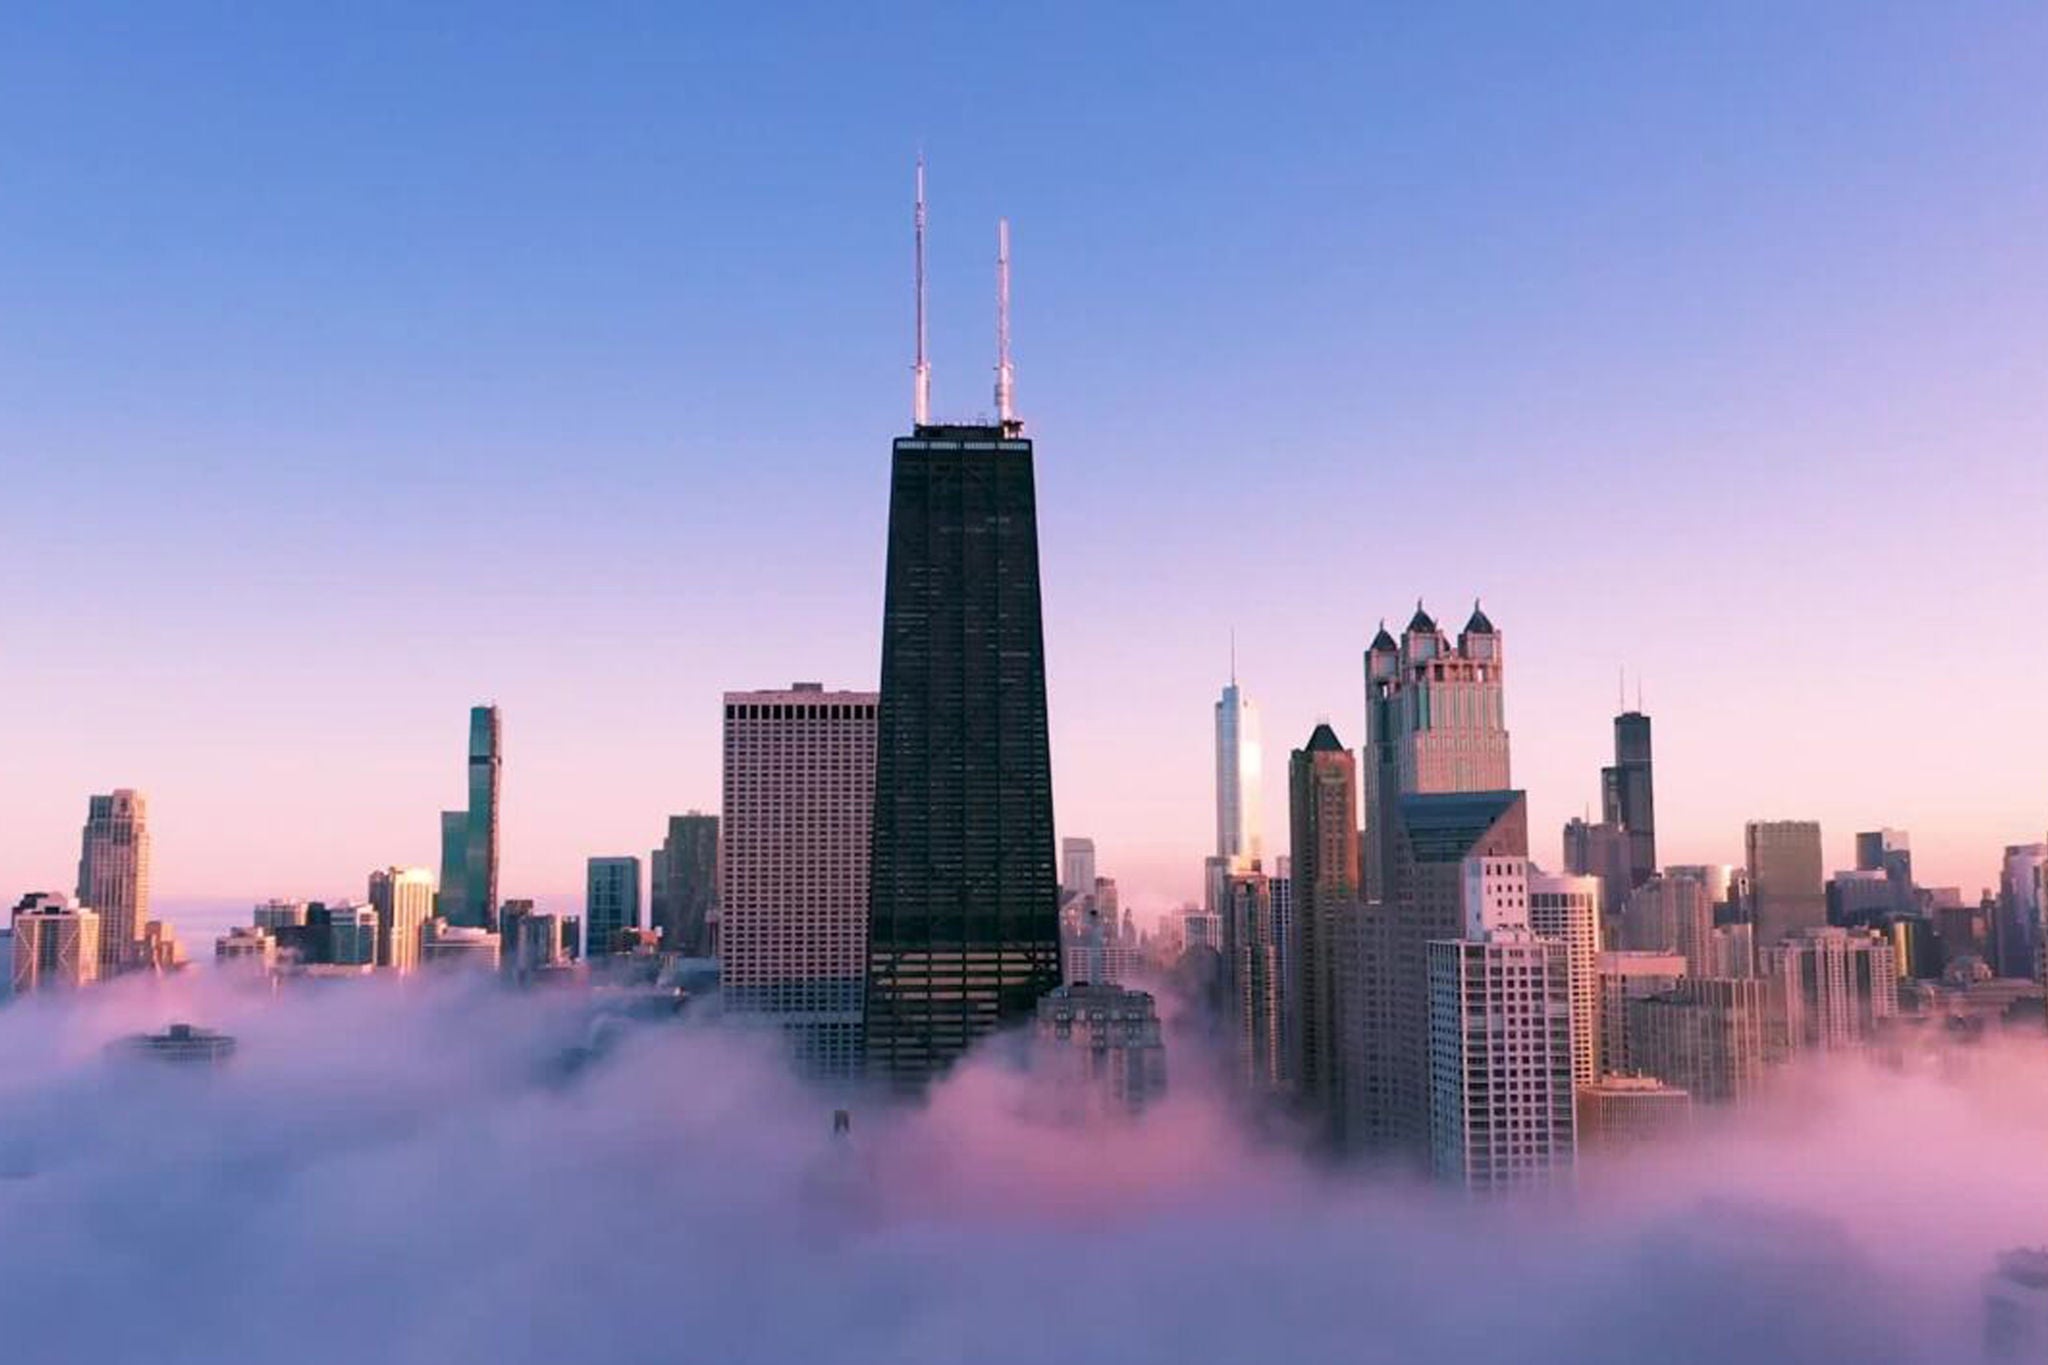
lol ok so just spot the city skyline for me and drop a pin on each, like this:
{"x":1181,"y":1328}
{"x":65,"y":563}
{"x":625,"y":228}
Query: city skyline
{"x":341,"y":396}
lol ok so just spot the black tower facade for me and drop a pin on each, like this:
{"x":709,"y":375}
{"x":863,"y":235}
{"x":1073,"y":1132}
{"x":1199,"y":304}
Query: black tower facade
{"x":1626,"y":797}
{"x":963,"y":932}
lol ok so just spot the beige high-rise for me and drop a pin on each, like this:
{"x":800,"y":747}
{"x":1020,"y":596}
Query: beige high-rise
{"x":113,"y":874}
{"x":404,"y":900}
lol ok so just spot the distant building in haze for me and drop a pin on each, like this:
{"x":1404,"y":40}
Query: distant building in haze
{"x":113,"y":874}
{"x":1627,"y":976}
{"x":1707,"y":1036}
{"x":453,"y":885}
{"x":1103,"y":1044}
{"x":460,"y":947}
{"x":797,"y":821}
{"x":56,"y":944}
{"x":684,"y":893}
{"x":1077,"y":866}
{"x":1786,"y":887}
{"x":1604,"y":851}
{"x":1835,"y":986}
{"x":2016,"y":932}
{"x":1626,"y":798}
{"x":403,"y":898}
{"x":1620,"y":1112}
{"x":1258,"y":986}
{"x":480,"y":861}
{"x":1671,"y":913}
{"x":246,"y":947}
{"x":611,"y":902}
{"x":1240,"y":782}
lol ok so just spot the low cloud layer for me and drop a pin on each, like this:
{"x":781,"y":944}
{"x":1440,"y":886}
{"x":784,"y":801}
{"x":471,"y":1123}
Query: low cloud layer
{"x":404,"y":1172}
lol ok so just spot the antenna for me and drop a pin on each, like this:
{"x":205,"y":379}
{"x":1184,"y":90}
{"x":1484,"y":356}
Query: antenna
{"x":1621,"y":687}
{"x":921,"y":400}
{"x":1004,"y":416}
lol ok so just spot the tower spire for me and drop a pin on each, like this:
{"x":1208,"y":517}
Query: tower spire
{"x":1004,"y":379}
{"x":921,"y":396}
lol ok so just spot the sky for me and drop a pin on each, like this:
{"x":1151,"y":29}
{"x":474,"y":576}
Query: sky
{"x":356,"y":367}
{"x":339,"y":1193}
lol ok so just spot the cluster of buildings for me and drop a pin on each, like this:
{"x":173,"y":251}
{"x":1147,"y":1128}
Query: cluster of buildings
{"x":55,"y":942}
{"x":1410,"y":979}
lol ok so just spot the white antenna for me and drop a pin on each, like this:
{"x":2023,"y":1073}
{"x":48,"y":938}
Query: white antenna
{"x":921,"y":401}
{"x":1004,"y":381}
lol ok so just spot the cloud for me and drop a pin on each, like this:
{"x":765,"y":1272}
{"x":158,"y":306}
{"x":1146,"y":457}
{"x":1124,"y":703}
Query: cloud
{"x":401,"y":1171}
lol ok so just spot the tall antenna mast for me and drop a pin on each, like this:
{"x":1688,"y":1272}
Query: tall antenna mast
{"x":921,"y":401}
{"x":1004,"y":415}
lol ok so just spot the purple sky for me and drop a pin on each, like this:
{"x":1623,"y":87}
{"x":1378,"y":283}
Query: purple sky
{"x":355,"y":371}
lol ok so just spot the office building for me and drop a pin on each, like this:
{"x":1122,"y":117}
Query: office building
{"x":684,"y":893}
{"x":1501,"y":1056}
{"x":450,"y":890}
{"x":113,"y":874}
{"x":611,"y":902}
{"x":1604,"y":851}
{"x":2016,"y":932}
{"x":1077,"y":867}
{"x":1889,"y":851}
{"x":964,"y":927}
{"x":536,"y":948}
{"x":1566,"y":910}
{"x":480,"y":852}
{"x":1834,"y":986}
{"x":56,"y":944}
{"x":403,"y":898}
{"x":279,"y":914}
{"x":1671,"y":913}
{"x":350,"y":930}
{"x":1323,"y":818}
{"x":180,"y":1044}
{"x":1096,"y":947}
{"x":1258,"y":985}
{"x":1101,"y":1045}
{"x":1785,"y":879}
{"x":1200,"y":928}
{"x":245,"y":947}
{"x":458,"y":947}
{"x":1862,"y":897}
{"x":1627,"y":976}
{"x":1447,"y":843}
{"x":1622,"y":1112}
{"x":1240,"y":788}
{"x":1706,"y":1036}
{"x":1731,"y":952}
{"x":1626,"y":800}
{"x":1436,"y":722}
{"x":797,"y":825}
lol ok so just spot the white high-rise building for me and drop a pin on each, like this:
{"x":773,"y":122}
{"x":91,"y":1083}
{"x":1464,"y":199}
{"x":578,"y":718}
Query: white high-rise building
{"x":1567,"y":909}
{"x":1240,"y":782}
{"x":113,"y":874}
{"x":1836,"y":985}
{"x":1502,"y":1046}
{"x":799,"y":809}
{"x":56,"y":944}
{"x":403,"y":898}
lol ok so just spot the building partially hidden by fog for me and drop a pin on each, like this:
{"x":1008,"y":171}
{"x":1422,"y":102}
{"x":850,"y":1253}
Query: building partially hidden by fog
{"x":113,"y":876}
{"x":1619,"y":1112}
{"x":1102,"y":1043}
{"x":183,"y":1044}
{"x":469,"y":838}
{"x":963,"y":903}
{"x":798,"y":821}
{"x":56,"y":944}
{"x":403,"y":899}
{"x":683,"y":886}
{"x":458,"y":947}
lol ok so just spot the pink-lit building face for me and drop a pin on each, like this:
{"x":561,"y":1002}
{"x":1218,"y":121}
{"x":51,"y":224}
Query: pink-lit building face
{"x":799,"y":802}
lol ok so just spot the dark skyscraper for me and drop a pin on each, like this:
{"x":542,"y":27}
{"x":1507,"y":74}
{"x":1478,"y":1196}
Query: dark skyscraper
{"x":1625,"y":795}
{"x":964,"y":920}
{"x":1322,"y":806}
{"x":480,"y":860}
{"x":684,"y":888}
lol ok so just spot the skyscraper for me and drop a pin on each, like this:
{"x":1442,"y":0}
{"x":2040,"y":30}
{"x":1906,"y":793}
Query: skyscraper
{"x":1240,"y":787}
{"x":1889,"y":851}
{"x":1257,"y":984}
{"x":1707,"y":1036}
{"x":1671,"y":913}
{"x":403,"y":898}
{"x":1834,"y":986}
{"x":1787,"y":887}
{"x":1322,"y":784}
{"x":56,"y":944}
{"x":1077,"y":867}
{"x":1625,"y":795}
{"x":113,"y":874}
{"x":684,"y":885}
{"x":480,"y":861}
{"x":2016,"y":931}
{"x":964,"y":915}
{"x":448,"y":898}
{"x":1435,"y":722}
{"x":1602,"y":851}
{"x":797,"y":823}
{"x":1567,"y":910}
{"x":611,"y":902}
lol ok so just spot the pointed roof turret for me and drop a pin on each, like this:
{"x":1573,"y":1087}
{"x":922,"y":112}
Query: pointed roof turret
{"x":1323,"y":740}
{"x":1383,"y":641}
{"x":1421,"y":620}
{"x":1479,"y":625}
